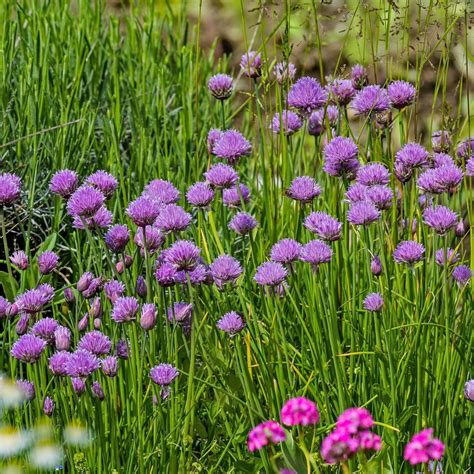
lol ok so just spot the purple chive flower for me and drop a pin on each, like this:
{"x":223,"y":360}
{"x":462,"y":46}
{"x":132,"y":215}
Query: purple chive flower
{"x":117,"y":238}
{"x":172,"y":218}
{"x":234,"y":196}
{"x":200,"y":195}
{"x":225,"y":269}
{"x":242,"y":223}
{"x":121,"y":349}
{"x":251,"y":64}
{"x":332,"y":115}
{"x":9,"y":188}
{"x":359,"y":76}
{"x":152,"y":240}
{"x":95,"y":286}
{"x":100,"y":220}
{"x":78,"y":385}
{"x":199,"y":275}
{"x":22,"y":324}
{"x":371,"y":99}
{"x":231,"y":323}
{"x":409,"y":252}
{"x":231,"y":146}
{"x":304,"y":189}
{"x":220,"y":86}
{"x":58,"y":363}
{"x":469,"y":390}
{"x":33,"y":301}
{"x":373,"y":174}
{"x":48,"y":406}
{"x":148,"y":316}
{"x":470,"y":166}
{"x":183,"y":254}
{"x":299,"y":411}
{"x":143,"y":211}
{"x":114,"y":289}
{"x":363,"y":213}
{"x":356,"y":193}
{"x":449,"y":177}
{"x":28,"y":348}
{"x":462,"y":274}
{"x":324,"y":226}
{"x":104,"y":182}
{"x":410,"y":157}
{"x":373,"y":302}
{"x":441,"y":159}
{"x":4,"y":304}
{"x":401,"y":94}
{"x":82,"y":363}
{"x":271,"y":274}
{"x":341,"y":91}
{"x":212,"y":137}
{"x":45,"y":328}
{"x":95,"y":342}
{"x":268,"y":432}
{"x":287,"y":122}
{"x":440,"y":219}
{"x":376,"y":266}
{"x":83,"y":323}
{"x":440,"y":141}
{"x":125,"y":309}
{"x":306,"y":95}
{"x":165,"y":274}
{"x":465,"y":149}
{"x":47,"y":262}
{"x":19,"y":259}
{"x":62,"y":338}
{"x":221,"y":176}
{"x":64,"y":183}
{"x":180,"y":312}
{"x":380,"y":196}
{"x":452,"y":257}
{"x":285,"y":251}
{"x":140,"y":287}
{"x":84,"y":281}
{"x":316,"y":252}
{"x":85,"y":202}
{"x":428,"y":182}
{"x":284,"y":72}
{"x":163,"y":374}
{"x":460,"y":229}
{"x":97,"y":390}
{"x":423,"y":448}
{"x":27,"y":388}
{"x":161,"y":191}
{"x":340,"y":157}
{"x":316,"y":123}
{"x":110,"y":366}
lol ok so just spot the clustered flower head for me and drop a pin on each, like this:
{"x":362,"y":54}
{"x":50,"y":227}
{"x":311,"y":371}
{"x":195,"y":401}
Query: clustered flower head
{"x":230,"y":146}
{"x":251,"y":64}
{"x":85,"y":202}
{"x":299,"y":411}
{"x":231,"y":323}
{"x":408,"y":252}
{"x":285,"y":251}
{"x":162,"y":192}
{"x":200,"y":195}
{"x":373,"y":302}
{"x":284,"y":72}
{"x":340,"y":157}
{"x":163,"y":374}
{"x":440,"y":219}
{"x":220,"y":86}
{"x":324,"y":226}
{"x":370,"y":100}
{"x":409,"y":158}
{"x":303,"y":189}
{"x":64,"y":183}
{"x":341,"y":91}
{"x":401,"y":94}
{"x":104,"y":182}
{"x":225,"y":269}
{"x":423,"y":447}
{"x":268,"y":432}
{"x":236,"y":195}
{"x":242,"y":223}
{"x":306,"y":95}
{"x":287,"y":122}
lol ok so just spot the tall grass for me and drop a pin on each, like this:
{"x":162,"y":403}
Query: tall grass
{"x":84,"y":89}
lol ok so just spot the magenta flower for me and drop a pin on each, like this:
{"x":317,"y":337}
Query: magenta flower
{"x":423,"y":448}
{"x":440,"y":219}
{"x":371,"y":99}
{"x":143,"y":211}
{"x":19,"y":259}
{"x":410,"y":157}
{"x":324,"y":226}
{"x":165,"y":274}
{"x":48,"y":406}
{"x":163,"y":374}
{"x":82,"y":363}
{"x":304,"y":189}
{"x":9,"y":188}
{"x":401,"y":94}
{"x":231,"y":323}
{"x":363,"y":213}
{"x":470,"y":166}
{"x":100,"y":220}
{"x":251,"y":64}
{"x":317,"y":122}
{"x":125,"y":309}
{"x":339,"y":446}
{"x":234,"y":196}
{"x":441,"y":159}
{"x":117,"y":238}
{"x":221,"y":176}
{"x":306,"y":95}
{"x":268,"y":432}
{"x":78,"y":385}
{"x":465,"y":149}
{"x":172,"y":218}
{"x":104,"y":182}
{"x":287,"y":122}
{"x":121,"y":349}
{"x":183,"y":255}
{"x":373,"y":302}
{"x":299,"y":411}
{"x":28,"y":348}
{"x":45,"y":328}
{"x":284,"y":72}
{"x":47,"y":262}
{"x":380,"y":196}
{"x":152,"y":239}
{"x":33,"y":301}
{"x":355,"y":420}
{"x":97,"y":390}
{"x":95,"y":342}
{"x":225,"y":270}
{"x":242,"y":223}
{"x":58,"y":363}
{"x":200,"y":195}
{"x":340,"y":157}
{"x":409,"y":252}
{"x":85,"y":202}
{"x":231,"y":146}
{"x":356,"y":193}
{"x":180,"y":312}
{"x":220,"y":86}
{"x":64,"y":183}
{"x":285,"y":251}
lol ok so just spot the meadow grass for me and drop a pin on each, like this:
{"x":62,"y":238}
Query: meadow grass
{"x":85,"y":89}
